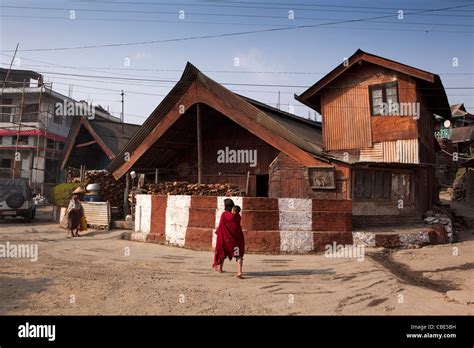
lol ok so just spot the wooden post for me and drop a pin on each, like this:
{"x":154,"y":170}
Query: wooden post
{"x":199,"y":142}
{"x":38,"y":139}
{"x":125,"y":194}
{"x":247,"y":184}
{"x":19,"y":131}
{"x":156,"y":175}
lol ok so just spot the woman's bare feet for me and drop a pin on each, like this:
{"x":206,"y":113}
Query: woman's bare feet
{"x":239,"y":276}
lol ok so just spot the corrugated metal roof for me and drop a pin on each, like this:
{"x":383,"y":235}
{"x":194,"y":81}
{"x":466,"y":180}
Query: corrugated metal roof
{"x":109,"y":132}
{"x":462,"y":134}
{"x":115,"y":135}
{"x":278,"y":122}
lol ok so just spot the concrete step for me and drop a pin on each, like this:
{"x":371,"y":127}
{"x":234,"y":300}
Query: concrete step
{"x":123,"y":224}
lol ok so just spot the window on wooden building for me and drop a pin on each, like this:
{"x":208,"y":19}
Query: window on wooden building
{"x":322,"y":177}
{"x":30,"y":113}
{"x":380,"y":94}
{"x":372,"y":184}
{"x":6,"y":110}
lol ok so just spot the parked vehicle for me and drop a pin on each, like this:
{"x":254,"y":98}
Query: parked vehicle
{"x":16,"y":199}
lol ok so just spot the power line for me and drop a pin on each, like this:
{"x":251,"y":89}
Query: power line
{"x":97,"y":69}
{"x":251,"y":24}
{"x":144,"y":84}
{"x":292,"y":7}
{"x":297,"y":18}
{"x":199,"y":37}
{"x":228,"y":83}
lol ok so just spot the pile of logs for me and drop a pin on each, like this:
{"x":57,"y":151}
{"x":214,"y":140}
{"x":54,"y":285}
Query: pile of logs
{"x":110,"y":189}
{"x":186,"y":188}
{"x":73,"y":175}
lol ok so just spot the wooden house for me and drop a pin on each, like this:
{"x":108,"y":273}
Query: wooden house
{"x":378,"y":115}
{"x":203,"y":132}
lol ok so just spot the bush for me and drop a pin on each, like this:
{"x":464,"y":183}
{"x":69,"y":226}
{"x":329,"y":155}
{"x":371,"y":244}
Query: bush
{"x":61,"y":194}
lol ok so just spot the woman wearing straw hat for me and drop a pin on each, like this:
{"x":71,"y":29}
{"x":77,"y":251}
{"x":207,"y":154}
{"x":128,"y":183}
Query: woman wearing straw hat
{"x":75,"y":212}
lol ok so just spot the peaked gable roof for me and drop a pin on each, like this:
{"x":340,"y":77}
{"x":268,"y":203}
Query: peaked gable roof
{"x":432,"y":80}
{"x":262,"y":120}
{"x":111,"y":136}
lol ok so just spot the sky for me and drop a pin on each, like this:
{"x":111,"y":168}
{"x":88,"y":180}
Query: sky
{"x":142,"y":46}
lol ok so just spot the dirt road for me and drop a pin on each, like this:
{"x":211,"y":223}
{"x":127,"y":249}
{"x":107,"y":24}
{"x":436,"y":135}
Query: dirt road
{"x":102,"y":274}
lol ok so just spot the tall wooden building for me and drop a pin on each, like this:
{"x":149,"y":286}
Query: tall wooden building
{"x":378,"y":115}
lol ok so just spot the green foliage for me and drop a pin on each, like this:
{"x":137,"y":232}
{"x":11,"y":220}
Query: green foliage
{"x":61,"y":194}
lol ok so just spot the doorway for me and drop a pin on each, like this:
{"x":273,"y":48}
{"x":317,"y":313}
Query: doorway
{"x":262,"y":185}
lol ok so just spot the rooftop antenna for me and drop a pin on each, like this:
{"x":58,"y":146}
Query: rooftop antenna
{"x":71,"y":87}
{"x":278,"y":104}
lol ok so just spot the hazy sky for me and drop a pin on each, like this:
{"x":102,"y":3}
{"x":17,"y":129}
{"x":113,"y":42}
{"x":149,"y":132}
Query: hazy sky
{"x":296,"y":57}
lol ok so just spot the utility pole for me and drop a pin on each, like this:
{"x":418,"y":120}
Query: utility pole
{"x":38,"y":140}
{"x":122,"y":116}
{"x":10,"y":67}
{"x":278,"y":104}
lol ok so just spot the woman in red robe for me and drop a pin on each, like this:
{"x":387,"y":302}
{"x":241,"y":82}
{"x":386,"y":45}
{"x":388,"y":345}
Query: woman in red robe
{"x":230,"y":239}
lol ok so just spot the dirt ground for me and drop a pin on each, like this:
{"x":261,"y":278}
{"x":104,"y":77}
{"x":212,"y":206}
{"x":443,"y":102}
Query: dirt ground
{"x":101,"y":274}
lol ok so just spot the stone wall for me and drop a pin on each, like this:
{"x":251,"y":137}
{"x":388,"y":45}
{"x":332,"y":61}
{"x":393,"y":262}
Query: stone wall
{"x":270,"y":225}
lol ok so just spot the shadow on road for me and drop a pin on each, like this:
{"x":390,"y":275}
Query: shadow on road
{"x":15,"y":293}
{"x":289,"y":273}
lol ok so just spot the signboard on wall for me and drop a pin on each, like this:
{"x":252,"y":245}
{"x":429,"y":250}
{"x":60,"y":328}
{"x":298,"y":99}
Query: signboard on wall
{"x":322,"y":178}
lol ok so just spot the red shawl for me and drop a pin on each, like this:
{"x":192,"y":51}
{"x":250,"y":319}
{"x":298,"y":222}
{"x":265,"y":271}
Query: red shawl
{"x":230,"y":239}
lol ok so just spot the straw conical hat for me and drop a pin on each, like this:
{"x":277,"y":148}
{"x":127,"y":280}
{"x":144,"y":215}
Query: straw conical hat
{"x":78,"y":190}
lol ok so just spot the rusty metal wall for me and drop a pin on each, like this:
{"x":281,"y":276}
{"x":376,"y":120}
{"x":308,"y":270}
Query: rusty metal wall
{"x":401,"y":151}
{"x":97,"y":213}
{"x":346,"y":113}
{"x":372,"y":154}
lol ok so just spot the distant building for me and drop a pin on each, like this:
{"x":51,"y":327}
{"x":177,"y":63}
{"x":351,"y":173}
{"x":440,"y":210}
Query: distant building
{"x":102,"y":138}
{"x":34,"y":124}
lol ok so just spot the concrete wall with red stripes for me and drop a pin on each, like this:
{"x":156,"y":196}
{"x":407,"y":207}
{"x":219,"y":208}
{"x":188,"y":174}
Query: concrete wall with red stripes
{"x":270,"y":225}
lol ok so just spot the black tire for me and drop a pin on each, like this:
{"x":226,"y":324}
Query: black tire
{"x":30,"y":215}
{"x":15,"y":200}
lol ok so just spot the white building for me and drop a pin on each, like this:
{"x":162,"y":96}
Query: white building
{"x":33,"y":127}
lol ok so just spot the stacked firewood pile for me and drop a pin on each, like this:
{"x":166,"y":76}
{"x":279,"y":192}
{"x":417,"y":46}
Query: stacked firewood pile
{"x":73,"y":175}
{"x":110,"y":189}
{"x":459,"y":186}
{"x":186,"y":188}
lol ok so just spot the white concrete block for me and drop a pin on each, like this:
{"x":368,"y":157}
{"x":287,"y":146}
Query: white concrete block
{"x":143,"y":213}
{"x":295,"y":214}
{"x":296,"y":241}
{"x":177,"y":218}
